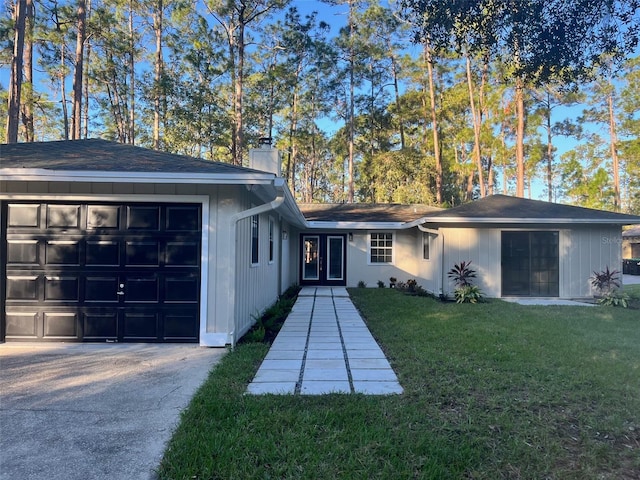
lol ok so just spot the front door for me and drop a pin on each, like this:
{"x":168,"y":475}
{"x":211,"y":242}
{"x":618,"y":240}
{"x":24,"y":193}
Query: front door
{"x":323,"y":259}
{"x":530,"y":264}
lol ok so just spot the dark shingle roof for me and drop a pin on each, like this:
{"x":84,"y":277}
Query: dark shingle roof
{"x":364,"y":212}
{"x":105,"y":156}
{"x":503,"y":207}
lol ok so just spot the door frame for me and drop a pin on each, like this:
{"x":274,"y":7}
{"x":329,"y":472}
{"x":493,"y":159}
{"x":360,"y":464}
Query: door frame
{"x":324,"y":256}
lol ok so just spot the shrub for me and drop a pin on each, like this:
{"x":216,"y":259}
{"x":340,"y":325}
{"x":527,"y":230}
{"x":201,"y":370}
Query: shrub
{"x":380,"y":284}
{"x":461,"y":274}
{"x":606,"y":281}
{"x":468,"y":294}
{"x":614,"y":298}
{"x":362,"y":284}
{"x":465,"y":291}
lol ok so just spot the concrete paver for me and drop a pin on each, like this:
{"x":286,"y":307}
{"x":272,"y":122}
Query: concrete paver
{"x":332,"y":347}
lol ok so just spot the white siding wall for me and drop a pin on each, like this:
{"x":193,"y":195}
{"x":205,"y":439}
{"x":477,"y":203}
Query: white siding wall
{"x":482,"y":248}
{"x":583,"y":251}
{"x":256,"y":286}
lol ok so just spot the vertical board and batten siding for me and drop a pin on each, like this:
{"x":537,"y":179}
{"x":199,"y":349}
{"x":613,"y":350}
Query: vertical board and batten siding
{"x":256,"y":286}
{"x":584,"y":250}
{"x":479,"y":246}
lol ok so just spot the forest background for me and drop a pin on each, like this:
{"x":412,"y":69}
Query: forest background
{"x":368,"y":101}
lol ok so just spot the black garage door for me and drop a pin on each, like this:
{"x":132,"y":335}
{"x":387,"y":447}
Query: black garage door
{"x":101,"y":271}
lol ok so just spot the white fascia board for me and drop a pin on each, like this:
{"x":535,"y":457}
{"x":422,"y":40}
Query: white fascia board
{"x":356,"y":225}
{"x":514,"y":221}
{"x":43,"y":175}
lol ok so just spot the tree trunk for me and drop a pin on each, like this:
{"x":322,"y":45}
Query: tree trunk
{"x":158,"y":73}
{"x":28,"y":99}
{"x":239,"y":86}
{"x":549,"y":148}
{"x":76,"y":120}
{"x":434,"y":122}
{"x":519,"y":100}
{"x":476,"y":129}
{"x":132,"y":82}
{"x":15,"y":81}
{"x":614,"y":152}
{"x":352,"y":66}
{"x":87,"y":60}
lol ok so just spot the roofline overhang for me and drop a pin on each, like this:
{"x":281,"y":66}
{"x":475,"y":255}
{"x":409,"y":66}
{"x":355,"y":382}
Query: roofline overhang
{"x":317,"y":224}
{"x":520,"y":221}
{"x":45,"y":175}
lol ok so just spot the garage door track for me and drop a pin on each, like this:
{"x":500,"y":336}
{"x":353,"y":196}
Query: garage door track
{"x":93,"y":411}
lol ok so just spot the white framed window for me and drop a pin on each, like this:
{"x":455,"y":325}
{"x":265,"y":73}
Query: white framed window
{"x":255,"y":239}
{"x":381,"y":247}
{"x":272,"y":229}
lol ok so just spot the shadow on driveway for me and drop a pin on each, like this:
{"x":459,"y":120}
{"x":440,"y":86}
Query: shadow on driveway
{"x":93,"y":411}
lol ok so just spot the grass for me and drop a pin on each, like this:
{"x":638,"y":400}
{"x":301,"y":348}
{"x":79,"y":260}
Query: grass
{"x":492,"y":391}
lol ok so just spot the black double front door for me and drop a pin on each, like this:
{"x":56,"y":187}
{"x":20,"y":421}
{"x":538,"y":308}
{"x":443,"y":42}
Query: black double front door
{"x":323,"y":259}
{"x":530,"y":264}
{"x":101,"y":271}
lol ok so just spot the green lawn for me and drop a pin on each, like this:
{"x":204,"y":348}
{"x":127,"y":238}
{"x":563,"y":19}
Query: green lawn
{"x":492,"y":391}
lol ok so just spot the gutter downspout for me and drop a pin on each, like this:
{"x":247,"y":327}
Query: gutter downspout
{"x":279,"y":186}
{"x":441,"y":234}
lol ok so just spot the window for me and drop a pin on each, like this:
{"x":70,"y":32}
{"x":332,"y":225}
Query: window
{"x":426,"y":245}
{"x":272,"y":228}
{"x":381,"y":248}
{"x":255,"y":238}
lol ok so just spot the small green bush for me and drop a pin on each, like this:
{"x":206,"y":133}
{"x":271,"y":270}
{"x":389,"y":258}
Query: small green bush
{"x":468,"y":294}
{"x":614,"y":298}
{"x":362,"y":284}
{"x":381,"y":284}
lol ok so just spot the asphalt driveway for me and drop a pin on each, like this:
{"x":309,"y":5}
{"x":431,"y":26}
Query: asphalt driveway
{"x":93,"y":411}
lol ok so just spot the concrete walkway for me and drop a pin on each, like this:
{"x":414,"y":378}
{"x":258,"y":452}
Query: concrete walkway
{"x":324,"y":347}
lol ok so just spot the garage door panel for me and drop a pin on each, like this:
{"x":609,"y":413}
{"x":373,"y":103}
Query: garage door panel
{"x":60,"y":325}
{"x":138,"y":253}
{"x":100,"y":325}
{"x":62,"y":252}
{"x":181,"y":326}
{"x":22,"y":252}
{"x":101,"y":289}
{"x":61,"y":289}
{"x":63,"y":216}
{"x":182,"y":254}
{"x":22,"y":325}
{"x":183,"y":218}
{"x":143,"y":217}
{"x":140,"y":325}
{"x":141,"y":289}
{"x":23,"y":215}
{"x":102,"y":253}
{"x":103,"y":216}
{"x":181,"y":289}
{"x":22,"y":288}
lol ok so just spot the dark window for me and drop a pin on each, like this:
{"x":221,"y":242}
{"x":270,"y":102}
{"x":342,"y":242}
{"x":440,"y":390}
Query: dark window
{"x":426,"y":245}
{"x":272,"y":227}
{"x":255,"y":238}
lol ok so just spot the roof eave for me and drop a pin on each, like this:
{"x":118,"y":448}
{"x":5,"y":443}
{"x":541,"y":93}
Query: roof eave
{"x":550,"y":221}
{"x":44,"y":175}
{"x":317,"y":224}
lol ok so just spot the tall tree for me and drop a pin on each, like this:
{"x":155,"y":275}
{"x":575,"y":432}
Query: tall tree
{"x":76,"y":117}
{"x":15,"y":81}
{"x":542,"y":41}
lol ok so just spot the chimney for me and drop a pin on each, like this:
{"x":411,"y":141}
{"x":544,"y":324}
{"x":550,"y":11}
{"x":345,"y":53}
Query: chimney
{"x":265,"y":157}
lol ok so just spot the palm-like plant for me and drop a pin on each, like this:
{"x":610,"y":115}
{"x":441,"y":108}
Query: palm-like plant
{"x":461,"y":274}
